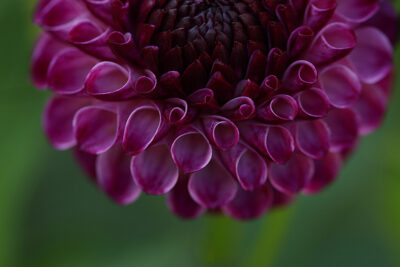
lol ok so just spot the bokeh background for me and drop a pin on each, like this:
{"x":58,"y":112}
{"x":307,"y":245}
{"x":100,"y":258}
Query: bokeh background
{"x":51,"y":215}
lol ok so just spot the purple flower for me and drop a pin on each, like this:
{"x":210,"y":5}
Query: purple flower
{"x":231,"y":106}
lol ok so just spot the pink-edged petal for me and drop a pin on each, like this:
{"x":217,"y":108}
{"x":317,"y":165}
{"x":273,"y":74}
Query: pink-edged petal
{"x":313,"y":103}
{"x":276,"y":142}
{"x":299,"y":40}
{"x":370,"y":109}
{"x":250,"y":205}
{"x":312,"y":138}
{"x":326,"y":170}
{"x":87,"y":162}
{"x":372,"y":60}
{"x":142,"y":127}
{"x":58,"y":120}
{"x":56,"y":13}
{"x":221,"y":132}
{"x":191,"y":151}
{"x":45,"y":49}
{"x":176,"y":110}
{"x":333,"y":42}
{"x":280,"y":108}
{"x":343,"y":126}
{"x":246,"y":165}
{"x":180,"y":202}
{"x":299,"y":75}
{"x":292,"y":176}
{"x":154,"y":171}
{"x":357,"y":11}
{"x":342,"y":86}
{"x":114,"y":176}
{"x":68,"y":70}
{"x":318,"y":13}
{"x":96,"y":128}
{"x":239,"y":109}
{"x":213,"y":186}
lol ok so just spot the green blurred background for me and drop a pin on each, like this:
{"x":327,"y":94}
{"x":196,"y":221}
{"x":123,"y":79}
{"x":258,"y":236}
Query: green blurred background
{"x":50,"y":215}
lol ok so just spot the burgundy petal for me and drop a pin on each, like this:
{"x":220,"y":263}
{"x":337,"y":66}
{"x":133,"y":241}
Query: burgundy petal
{"x":292,"y":176}
{"x":313,"y":103}
{"x":312,"y":138}
{"x":299,"y":75}
{"x":249,"y":204}
{"x":114,"y":177}
{"x":96,"y":128}
{"x":58,"y":118}
{"x":280,"y":108}
{"x":180,"y":202}
{"x":326,"y":170}
{"x":212,"y":186}
{"x":239,"y":108}
{"x":221,"y":132}
{"x":154,"y":171}
{"x":191,"y":151}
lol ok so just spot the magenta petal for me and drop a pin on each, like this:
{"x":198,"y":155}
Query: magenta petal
{"x":292,"y":176}
{"x":312,"y":138}
{"x":68,"y":70}
{"x":246,"y":165}
{"x":370,"y":109}
{"x":239,"y":109}
{"x":372,"y":60}
{"x":280,"y":108}
{"x":249,"y":205}
{"x":191,"y":151}
{"x":212,"y":186}
{"x":313,"y":103}
{"x":176,"y":110}
{"x":357,"y":11}
{"x":154,"y":171}
{"x":222,"y":132}
{"x":333,"y":42}
{"x":281,"y":199}
{"x":142,"y":127}
{"x":299,"y":40}
{"x":96,"y":128}
{"x":45,"y":49}
{"x":299,"y":75}
{"x":114,"y":176}
{"x":342,"y":86}
{"x":326,"y":170}
{"x":343,"y":126}
{"x":180,"y":202}
{"x":318,"y":13}
{"x":58,"y":118}
{"x":274,"y":141}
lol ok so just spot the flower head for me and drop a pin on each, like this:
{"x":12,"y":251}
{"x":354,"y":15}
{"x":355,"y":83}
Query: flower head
{"x":226,"y":105}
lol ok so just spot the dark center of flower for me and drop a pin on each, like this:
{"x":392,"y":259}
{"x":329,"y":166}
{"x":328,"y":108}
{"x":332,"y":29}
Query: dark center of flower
{"x":212,"y":43}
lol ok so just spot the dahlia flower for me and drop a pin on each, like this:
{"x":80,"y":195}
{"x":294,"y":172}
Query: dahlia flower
{"x":222,"y":105}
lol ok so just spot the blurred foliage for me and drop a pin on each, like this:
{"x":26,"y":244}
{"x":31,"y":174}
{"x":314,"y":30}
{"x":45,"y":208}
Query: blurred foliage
{"x":51,"y":215}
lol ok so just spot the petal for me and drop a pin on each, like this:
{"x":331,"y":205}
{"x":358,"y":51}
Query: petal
{"x":292,"y":176}
{"x":312,"y":138}
{"x":239,"y":108}
{"x":333,"y":42}
{"x":326,"y":170}
{"x":222,"y":132}
{"x":68,"y":70}
{"x":87,"y":162}
{"x":180,"y":202}
{"x":212,"y":186}
{"x":249,"y":205}
{"x":114,"y":177}
{"x":96,"y":129}
{"x":280,"y":108}
{"x":299,"y":40}
{"x":372,"y":60}
{"x":57,"y":120}
{"x":341,"y":85}
{"x":313,"y":103}
{"x":299,"y":75}
{"x":343,"y":126}
{"x":154,"y":170}
{"x":191,"y":151}
{"x":142,"y":127}
{"x":281,"y":199}
{"x":318,"y":13}
{"x":357,"y":11}
{"x":45,"y":49}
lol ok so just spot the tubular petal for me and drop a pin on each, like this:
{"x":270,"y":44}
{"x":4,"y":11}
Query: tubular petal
{"x":292,"y":176}
{"x":180,"y":202}
{"x":280,"y":108}
{"x":96,"y":128}
{"x":191,"y":151}
{"x":213,"y":186}
{"x":357,"y":11}
{"x":299,"y":75}
{"x":154,"y":170}
{"x":312,"y":138}
{"x":221,"y":132}
{"x":313,"y":103}
{"x":318,"y":13}
{"x":114,"y":177}
{"x":239,"y":108}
